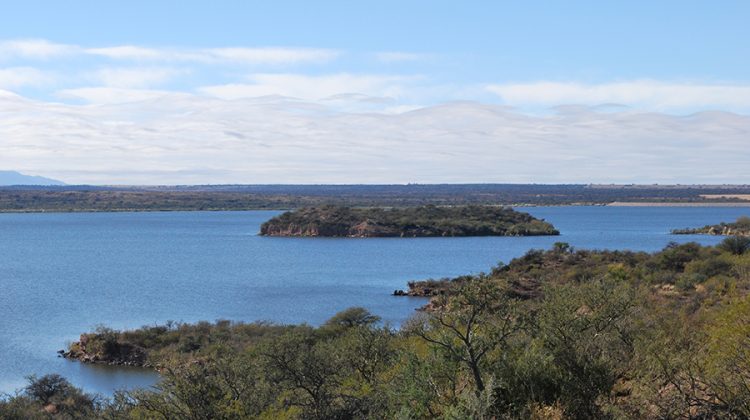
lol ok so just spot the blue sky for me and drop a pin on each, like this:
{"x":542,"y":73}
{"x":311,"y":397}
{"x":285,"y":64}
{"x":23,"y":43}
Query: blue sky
{"x":498,"y":40}
{"x":522,"y":68}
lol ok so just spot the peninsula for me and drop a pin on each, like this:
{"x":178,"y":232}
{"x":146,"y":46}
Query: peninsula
{"x":423,"y":221}
{"x":568,"y":333}
{"x":739,"y":228}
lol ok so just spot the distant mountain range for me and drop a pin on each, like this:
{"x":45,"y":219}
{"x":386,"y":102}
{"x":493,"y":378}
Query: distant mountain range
{"x":16,"y":178}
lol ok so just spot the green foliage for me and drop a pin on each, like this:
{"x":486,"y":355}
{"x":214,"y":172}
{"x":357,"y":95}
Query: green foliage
{"x":49,"y":397}
{"x":587,"y":331}
{"x":743,"y":222}
{"x":352,"y":317}
{"x":427,"y":220}
{"x":675,"y":257}
{"x":474,"y":321}
{"x":737,"y":245}
{"x":727,"y":357}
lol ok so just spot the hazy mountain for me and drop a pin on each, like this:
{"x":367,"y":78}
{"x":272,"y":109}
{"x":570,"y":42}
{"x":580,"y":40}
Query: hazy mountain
{"x":16,"y":178}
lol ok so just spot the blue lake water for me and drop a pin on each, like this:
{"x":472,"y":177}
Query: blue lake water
{"x":62,"y":274}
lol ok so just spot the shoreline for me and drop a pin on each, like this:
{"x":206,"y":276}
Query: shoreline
{"x":512,"y":205}
{"x":676,"y":204}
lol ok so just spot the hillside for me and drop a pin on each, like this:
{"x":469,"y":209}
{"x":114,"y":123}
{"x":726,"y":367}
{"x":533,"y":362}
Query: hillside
{"x":16,"y":178}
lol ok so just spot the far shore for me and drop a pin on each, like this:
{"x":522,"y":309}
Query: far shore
{"x":673,"y":204}
{"x":287,"y":208}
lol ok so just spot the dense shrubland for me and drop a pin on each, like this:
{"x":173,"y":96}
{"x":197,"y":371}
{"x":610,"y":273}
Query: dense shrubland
{"x":427,"y":220}
{"x":562,"y":333}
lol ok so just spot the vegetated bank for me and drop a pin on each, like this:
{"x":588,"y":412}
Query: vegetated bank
{"x":739,"y":228}
{"x":423,"y":221}
{"x":88,"y":198}
{"x":562,"y":333}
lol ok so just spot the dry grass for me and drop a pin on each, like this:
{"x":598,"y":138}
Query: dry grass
{"x":728,"y":196}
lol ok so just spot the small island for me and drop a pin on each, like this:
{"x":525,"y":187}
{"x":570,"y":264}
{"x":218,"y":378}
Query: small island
{"x":423,"y":221}
{"x":739,"y":228}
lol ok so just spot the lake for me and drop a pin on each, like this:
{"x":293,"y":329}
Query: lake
{"x":61,"y":274}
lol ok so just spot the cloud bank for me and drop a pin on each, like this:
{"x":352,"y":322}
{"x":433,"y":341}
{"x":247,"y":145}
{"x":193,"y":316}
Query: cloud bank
{"x":649,"y":94}
{"x":40,"y":49}
{"x":139,"y":114}
{"x":185,"y":139}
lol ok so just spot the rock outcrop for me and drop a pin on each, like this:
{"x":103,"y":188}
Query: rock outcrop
{"x":739,"y":228}
{"x":89,"y":349}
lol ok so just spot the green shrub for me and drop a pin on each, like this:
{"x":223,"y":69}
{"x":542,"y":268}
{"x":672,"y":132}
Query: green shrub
{"x":737,"y":245}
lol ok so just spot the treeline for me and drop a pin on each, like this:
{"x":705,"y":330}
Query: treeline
{"x":253,"y":197}
{"x":562,"y":333}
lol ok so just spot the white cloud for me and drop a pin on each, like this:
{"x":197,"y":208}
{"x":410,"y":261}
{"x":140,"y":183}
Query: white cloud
{"x":111,"y":95}
{"x":239,"y":55}
{"x":311,"y":87}
{"x":35,"y":49}
{"x":273,"y":55}
{"x":646,"y":94}
{"x":17,"y":77}
{"x":43,"y":49}
{"x":168,"y":138}
{"x":347,"y":127}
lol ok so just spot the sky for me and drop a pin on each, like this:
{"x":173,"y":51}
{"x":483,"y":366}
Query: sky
{"x":199,"y":92}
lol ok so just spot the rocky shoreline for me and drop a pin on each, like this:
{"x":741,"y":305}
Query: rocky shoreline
{"x":426,"y":288}
{"x":113,"y":354}
{"x":432,"y":289}
{"x":739,"y":228}
{"x":712,"y":230}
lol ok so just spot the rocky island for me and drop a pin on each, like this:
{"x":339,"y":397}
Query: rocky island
{"x":739,"y":228}
{"x":423,"y":221}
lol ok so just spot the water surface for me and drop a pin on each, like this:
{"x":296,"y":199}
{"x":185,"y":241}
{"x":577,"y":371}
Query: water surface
{"x":62,"y":274}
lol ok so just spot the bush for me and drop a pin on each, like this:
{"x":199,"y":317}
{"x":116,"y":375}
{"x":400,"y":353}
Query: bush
{"x":708,"y":267}
{"x":688,"y":281}
{"x":674,"y":256}
{"x":352,"y":317}
{"x":54,"y":395}
{"x":737,"y":245}
{"x":743,"y":222}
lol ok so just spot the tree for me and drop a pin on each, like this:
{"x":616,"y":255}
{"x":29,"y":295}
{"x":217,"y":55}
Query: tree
{"x":55,"y":395}
{"x":587,"y":332}
{"x":48,"y":387}
{"x":305,"y":371}
{"x":737,"y":245}
{"x":466,"y":326}
{"x":675,"y":256}
{"x":727,"y":359}
{"x":352,"y":317}
{"x":226,"y":385}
